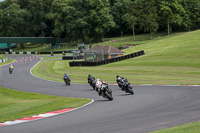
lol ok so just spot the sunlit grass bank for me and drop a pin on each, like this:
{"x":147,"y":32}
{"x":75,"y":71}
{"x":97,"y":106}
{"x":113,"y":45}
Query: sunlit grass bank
{"x":172,"y":60}
{"x":187,"y":128}
{"x":16,"y":104}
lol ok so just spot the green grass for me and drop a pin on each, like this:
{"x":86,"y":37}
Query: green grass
{"x":51,"y":58}
{"x":140,"y":39}
{"x":186,"y":128}
{"x":3,"y":57}
{"x":16,"y":104}
{"x":120,"y":41}
{"x":171,"y":61}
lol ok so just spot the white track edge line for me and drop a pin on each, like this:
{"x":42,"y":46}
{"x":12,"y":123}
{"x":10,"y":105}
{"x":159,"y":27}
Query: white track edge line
{"x":8,"y":123}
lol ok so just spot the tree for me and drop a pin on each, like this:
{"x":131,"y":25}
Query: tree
{"x":57,"y":16}
{"x":172,"y":12}
{"x":131,"y":17}
{"x":119,"y":9}
{"x":149,"y":16}
{"x":1,"y":14}
{"x":192,"y":14}
{"x":100,"y":14}
{"x":69,"y":18}
{"x":39,"y":24}
{"x":48,"y":22}
{"x":13,"y":22}
{"x":36,"y":20}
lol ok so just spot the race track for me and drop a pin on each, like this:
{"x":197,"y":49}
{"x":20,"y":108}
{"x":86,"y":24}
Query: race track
{"x":150,"y":108}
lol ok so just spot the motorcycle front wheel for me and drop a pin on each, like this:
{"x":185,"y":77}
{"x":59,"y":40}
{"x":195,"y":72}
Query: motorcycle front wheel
{"x":130,"y":90}
{"x":108,"y":95}
{"x":10,"y":71}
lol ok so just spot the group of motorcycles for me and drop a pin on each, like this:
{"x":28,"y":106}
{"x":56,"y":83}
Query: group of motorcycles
{"x":103,"y":89}
{"x":100,"y":86}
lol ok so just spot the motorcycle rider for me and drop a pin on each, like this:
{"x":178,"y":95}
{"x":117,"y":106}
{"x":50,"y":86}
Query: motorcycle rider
{"x":99,"y":86}
{"x":91,"y":81}
{"x":90,"y":78}
{"x":122,"y":80}
{"x":11,"y":67}
{"x":66,"y":77}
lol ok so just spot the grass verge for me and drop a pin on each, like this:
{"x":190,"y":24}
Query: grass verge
{"x":186,"y":128}
{"x":17,"y":104}
{"x":170,"y":61}
{"x":139,"y":39}
{"x":3,"y":57}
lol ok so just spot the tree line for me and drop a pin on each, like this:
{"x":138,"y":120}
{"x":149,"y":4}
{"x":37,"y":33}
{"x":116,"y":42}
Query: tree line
{"x":92,"y":20}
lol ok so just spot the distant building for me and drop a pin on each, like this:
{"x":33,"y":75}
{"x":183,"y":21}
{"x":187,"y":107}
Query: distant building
{"x":99,"y":53}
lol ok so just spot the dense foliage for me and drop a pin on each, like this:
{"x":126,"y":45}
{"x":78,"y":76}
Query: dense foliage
{"x":91,"y":20}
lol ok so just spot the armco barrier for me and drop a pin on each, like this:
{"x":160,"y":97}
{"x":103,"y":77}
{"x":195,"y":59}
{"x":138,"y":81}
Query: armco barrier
{"x":86,"y":63}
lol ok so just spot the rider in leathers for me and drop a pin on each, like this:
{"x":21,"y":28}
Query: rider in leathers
{"x":99,"y":84}
{"x":122,"y":80}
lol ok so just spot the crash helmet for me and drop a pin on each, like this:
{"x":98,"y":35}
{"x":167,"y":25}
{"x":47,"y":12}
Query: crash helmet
{"x":98,"y":79}
{"x":117,"y":76}
{"x":11,"y":66}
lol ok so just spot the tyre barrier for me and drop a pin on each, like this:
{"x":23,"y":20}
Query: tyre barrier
{"x":88,"y":63}
{"x":3,"y":60}
{"x":20,"y":52}
{"x":70,"y":57}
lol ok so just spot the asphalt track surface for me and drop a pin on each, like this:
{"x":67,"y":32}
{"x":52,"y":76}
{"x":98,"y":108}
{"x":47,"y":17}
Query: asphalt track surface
{"x":150,"y":108}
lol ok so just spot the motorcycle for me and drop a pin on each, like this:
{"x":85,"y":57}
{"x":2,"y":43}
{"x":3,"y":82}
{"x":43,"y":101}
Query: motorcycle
{"x":124,"y":84}
{"x":10,"y":70}
{"x":103,"y":90}
{"x":91,"y":81}
{"x":67,"y":80}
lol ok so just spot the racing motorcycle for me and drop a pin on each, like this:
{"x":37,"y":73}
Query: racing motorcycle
{"x":67,"y":79}
{"x":103,"y":89}
{"x":10,"y":70}
{"x":91,"y":81}
{"x":124,"y":84}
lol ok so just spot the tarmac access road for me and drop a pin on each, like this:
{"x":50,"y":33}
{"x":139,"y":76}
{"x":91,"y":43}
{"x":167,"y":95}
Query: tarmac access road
{"x":150,"y":108}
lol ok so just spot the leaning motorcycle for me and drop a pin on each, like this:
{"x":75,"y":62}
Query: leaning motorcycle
{"x":10,"y":70}
{"x":67,"y":80}
{"x":103,"y":90}
{"x":124,"y":85}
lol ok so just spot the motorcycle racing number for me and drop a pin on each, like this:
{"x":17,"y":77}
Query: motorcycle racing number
{"x":98,"y":83}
